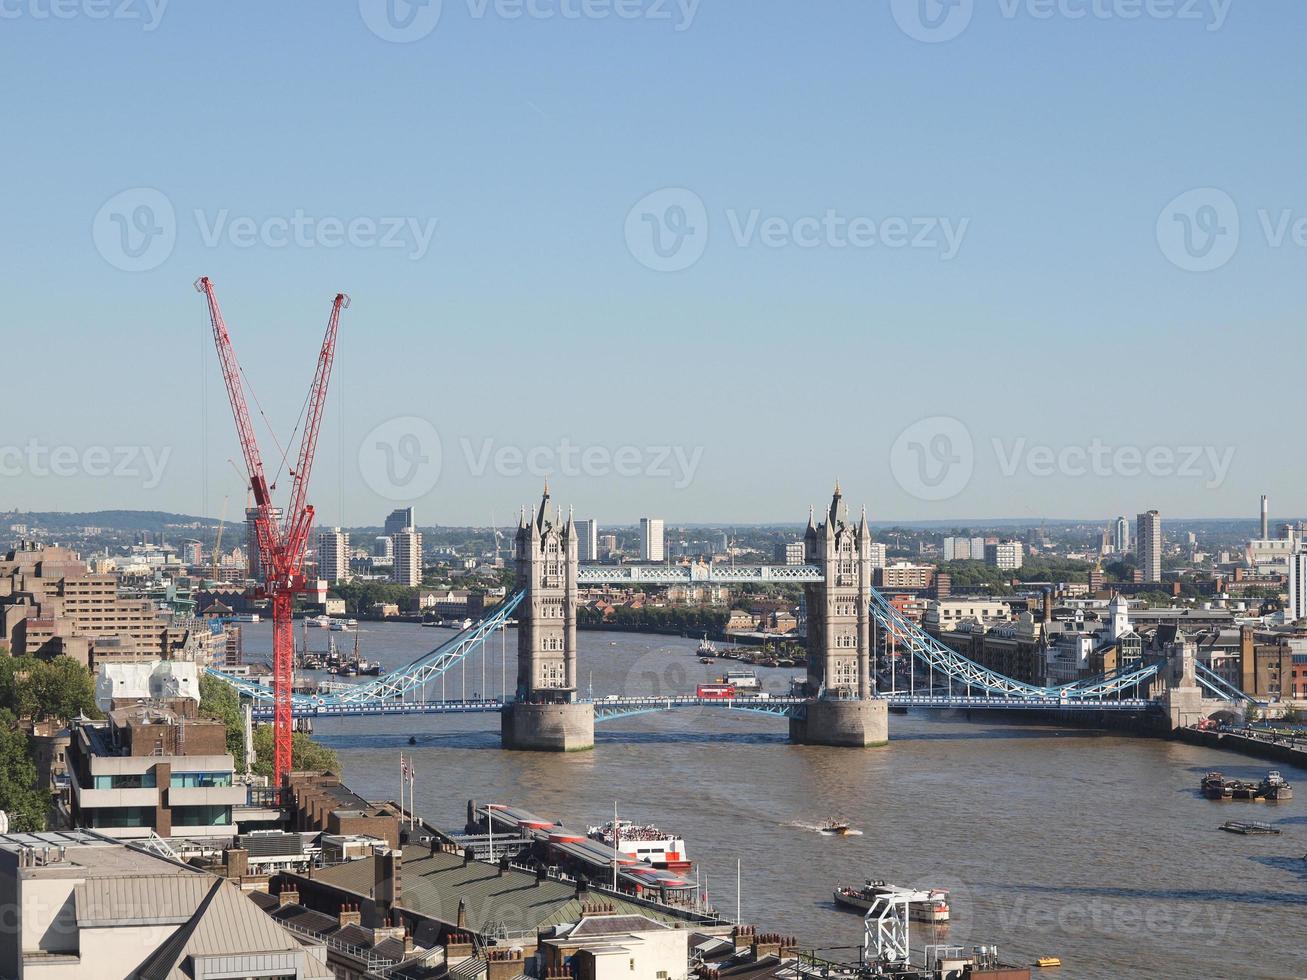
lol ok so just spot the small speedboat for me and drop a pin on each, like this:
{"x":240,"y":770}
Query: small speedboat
{"x":836,"y":828}
{"x":412,"y":740}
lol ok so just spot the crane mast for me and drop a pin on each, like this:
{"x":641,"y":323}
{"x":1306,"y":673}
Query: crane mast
{"x":281,"y":545}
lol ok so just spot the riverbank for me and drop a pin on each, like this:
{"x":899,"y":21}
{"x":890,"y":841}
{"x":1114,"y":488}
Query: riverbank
{"x":1260,"y":748}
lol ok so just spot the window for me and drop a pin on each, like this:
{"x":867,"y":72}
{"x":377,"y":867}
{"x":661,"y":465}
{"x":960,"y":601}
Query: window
{"x":140,"y":780}
{"x":201,"y":816}
{"x":199,"y":780}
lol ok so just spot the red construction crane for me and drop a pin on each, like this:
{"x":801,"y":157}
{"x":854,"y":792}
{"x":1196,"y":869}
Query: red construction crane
{"x":281,"y":544}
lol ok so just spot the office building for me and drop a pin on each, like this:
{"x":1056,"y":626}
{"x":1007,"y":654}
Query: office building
{"x":587,"y":538}
{"x":398,"y":520}
{"x":333,"y":556}
{"x":408,"y":558}
{"x":1148,"y":545}
{"x":651,"y":539}
{"x":1121,"y":535}
{"x":1006,"y":556}
{"x":153,"y":769}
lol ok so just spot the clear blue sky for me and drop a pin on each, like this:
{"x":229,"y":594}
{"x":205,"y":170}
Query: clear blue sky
{"x":529,"y":319}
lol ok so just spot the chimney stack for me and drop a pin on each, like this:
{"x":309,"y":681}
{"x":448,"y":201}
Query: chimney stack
{"x":1265,"y":521}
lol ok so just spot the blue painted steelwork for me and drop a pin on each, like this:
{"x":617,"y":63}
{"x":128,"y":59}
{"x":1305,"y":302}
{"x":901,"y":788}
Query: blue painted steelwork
{"x":405,"y":682}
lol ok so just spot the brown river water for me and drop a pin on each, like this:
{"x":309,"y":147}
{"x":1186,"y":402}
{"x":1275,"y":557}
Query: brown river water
{"x":1093,"y":847}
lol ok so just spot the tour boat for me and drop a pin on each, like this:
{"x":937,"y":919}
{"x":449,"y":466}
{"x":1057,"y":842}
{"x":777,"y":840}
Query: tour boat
{"x":644,"y":842}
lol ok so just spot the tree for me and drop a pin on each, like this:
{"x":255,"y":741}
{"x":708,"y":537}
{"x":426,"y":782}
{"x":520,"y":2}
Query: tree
{"x":219,"y":700}
{"x":20,"y":796}
{"x":304,"y":754}
{"x":58,"y":689}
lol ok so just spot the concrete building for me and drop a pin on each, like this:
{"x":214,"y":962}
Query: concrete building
{"x":611,"y":945}
{"x":1148,"y":545}
{"x":957,"y":549}
{"x":877,"y":554}
{"x":408,"y":557}
{"x":946,"y":614}
{"x":153,"y":769}
{"x":1007,"y":556}
{"x":50,"y":605}
{"x":333,"y":556}
{"x":383,"y":547}
{"x":587,"y":540}
{"x":84,"y":907}
{"x":398,"y":520}
{"x":651,"y":539}
{"x":789,"y":553}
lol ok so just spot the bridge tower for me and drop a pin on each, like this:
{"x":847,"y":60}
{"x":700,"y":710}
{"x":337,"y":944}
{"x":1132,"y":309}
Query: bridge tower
{"x":545,"y":715}
{"x":842,"y":708}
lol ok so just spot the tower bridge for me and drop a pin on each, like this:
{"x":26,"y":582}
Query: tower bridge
{"x":838,"y":703}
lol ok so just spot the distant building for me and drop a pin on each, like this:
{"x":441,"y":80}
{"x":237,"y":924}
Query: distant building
{"x":253,"y":558}
{"x":398,"y":520}
{"x":957,"y":549}
{"x":608,"y":545}
{"x":333,"y":555}
{"x":408,"y":557}
{"x":1121,"y":535}
{"x":904,"y":575}
{"x":1148,"y":545}
{"x":789,"y":553}
{"x":651,"y":539}
{"x":1297,"y":608}
{"x":587,"y":546}
{"x":877,"y":555}
{"x":1006,"y":556}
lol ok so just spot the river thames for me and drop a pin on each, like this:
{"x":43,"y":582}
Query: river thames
{"x":1092,"y":847}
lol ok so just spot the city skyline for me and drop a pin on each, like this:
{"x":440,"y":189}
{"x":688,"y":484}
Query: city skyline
{"x":449,"y":335}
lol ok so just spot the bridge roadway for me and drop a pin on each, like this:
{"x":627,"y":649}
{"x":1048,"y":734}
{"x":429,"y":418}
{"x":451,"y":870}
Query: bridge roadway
{"x":620,"y":706}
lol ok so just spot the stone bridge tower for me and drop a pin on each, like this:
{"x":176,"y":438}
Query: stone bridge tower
{"x":842,"y":709}
{"x":545,"y":714}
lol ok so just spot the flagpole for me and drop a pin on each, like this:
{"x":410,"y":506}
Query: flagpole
{"x":401,"y":787}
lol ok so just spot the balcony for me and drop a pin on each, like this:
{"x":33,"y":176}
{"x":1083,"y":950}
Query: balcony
{"x":207,"y":795}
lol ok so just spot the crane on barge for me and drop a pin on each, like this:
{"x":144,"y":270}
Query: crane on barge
{"x":281,"y":543}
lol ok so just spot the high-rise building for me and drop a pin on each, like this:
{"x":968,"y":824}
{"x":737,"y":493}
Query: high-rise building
{"x":254,"y":560}
{"x":977,"y":548}
{"x":383,"y":547}
{"x":958,"y":549}
{"x":1297,"y":586}
{"x":408,"y":558}
{"x":789,"y":552}
{"x":333,"y":555}
{"x":1005,"y":555}
{"x":1121,"y":537}
{"x":398,"y":520}
{"x":608,"y":544}
{"x":587,"y":547}
{"x":1148,"y":545}
{"x":876,"y":554}
{"x":651,"y":539}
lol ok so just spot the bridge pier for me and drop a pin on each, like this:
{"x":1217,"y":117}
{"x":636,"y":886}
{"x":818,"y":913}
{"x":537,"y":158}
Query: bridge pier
{"x":847,"y":724}
{"x":841,"y":709}
{"x":550,"y":727}
{"x":546,"y":717}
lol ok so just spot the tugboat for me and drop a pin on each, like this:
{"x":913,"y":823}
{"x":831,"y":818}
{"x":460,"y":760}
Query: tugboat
{"x":1215,"y":787}
{"x":936,"y":910}
{"x":1274,"y":787}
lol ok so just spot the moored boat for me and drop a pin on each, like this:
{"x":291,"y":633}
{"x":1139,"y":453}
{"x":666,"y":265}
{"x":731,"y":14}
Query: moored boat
{"x":935,"y":910}
{"x":1274,"y":787}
